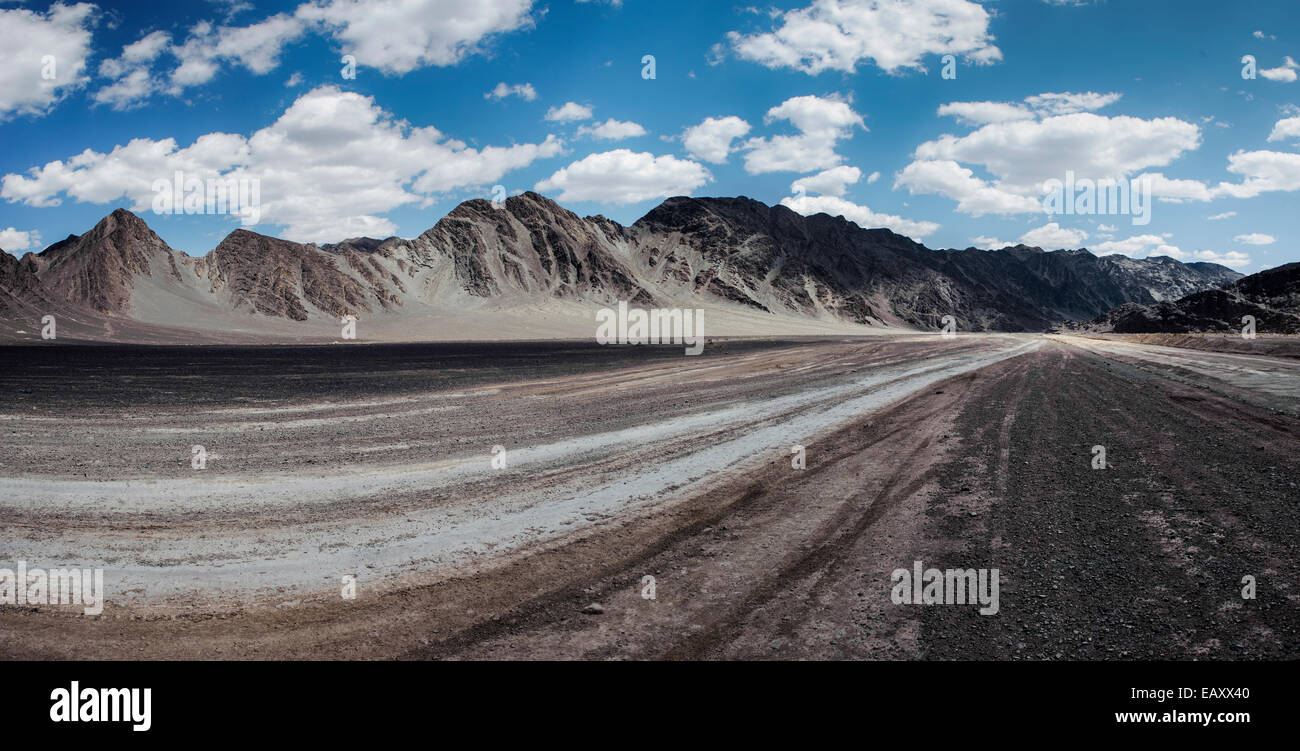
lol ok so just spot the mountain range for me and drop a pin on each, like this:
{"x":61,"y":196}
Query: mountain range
{"x":528,"y":268}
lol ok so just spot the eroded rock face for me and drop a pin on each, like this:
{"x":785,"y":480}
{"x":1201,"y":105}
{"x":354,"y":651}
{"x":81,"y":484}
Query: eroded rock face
{"x":530,"y":245}
{"x":97,"y":270}
{"x":1271,"y":296}
{"x":773,"y":258}
{"x":18,"y":282}
{"x":733,"y":252}
{"x":278,"y":278}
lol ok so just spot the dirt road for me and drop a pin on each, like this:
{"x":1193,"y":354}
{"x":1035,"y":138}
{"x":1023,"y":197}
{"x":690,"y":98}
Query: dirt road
{"x":973,"y":452}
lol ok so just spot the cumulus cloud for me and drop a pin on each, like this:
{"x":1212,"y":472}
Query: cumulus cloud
{"x":1063,"y":103}
{"x":1053,"y":235}
{"x":1068,"y":103}
{"x":14,"y":240}
{"x":1285,"y":128}
{"x":329,"y":167}
{"x":973,"y":195}
{"x":1262,"y":172}
{"x":29,"y":42}
{"x":568,"y":112}
{"x":891,"y":34}
{"x":821,"y":121}
{"x":398,"y":36}
{"x":1139,"y":246}
{"x":1255,"y":238}
{"x":860,"y":215}
{"x":1022,"y":153}
{"x":711,"y":139}
{"x":132,"y":80}
{"x":138,"y":53}
{"x":982,"y":113}
{"x":831,"y":182}
{"x":613,"y":130}
{"x":393,"y":36}
{"x":1285,"y":73}
{"x":1224,"y":215}
{"x":622,"y":177}
{"x":1232,"y":259}
{"x":524,"y":91}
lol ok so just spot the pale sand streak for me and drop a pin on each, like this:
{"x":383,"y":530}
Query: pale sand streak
{"x":313,"y":555}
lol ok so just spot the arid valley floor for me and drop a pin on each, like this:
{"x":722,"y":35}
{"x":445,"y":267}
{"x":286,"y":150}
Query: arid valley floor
{"x":376,"y":461}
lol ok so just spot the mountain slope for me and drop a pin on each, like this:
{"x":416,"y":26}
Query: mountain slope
{"x":98,"y":270}
{"x":775,"y":259}
{"x":1271,"y":296}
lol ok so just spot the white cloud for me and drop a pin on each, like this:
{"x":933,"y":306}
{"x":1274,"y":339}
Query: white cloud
{"x":502,"y":90}
{"x":398,"y":36}
{"x":973,"y":195}
{"x":139,"y":53}
{"x":1285,"y":73}
{"x":1264,"y":171}
{"x":831,"y":182}
{"x":569,"y":112}
{"x":1038,"y":105}
{"x":861,"y":215}
{"x":822,"y":123}
{"x":393,"y":36}
{"x":1232,"y":259}
{"x":1170,"y":190}
{"x":613,"y":130}
{"x":711,"y":139}
{"x":982,"y":113}
{"x":26,"y":38}
{"x":622,"y":176}
{"x":984,"y":241}
{"x":330,"y":166}
{"x":1255,"y":238}
{"x":128,"y":91}
{"x":1285,"y":128}
{"x":1053,"y":236}
{"x":892,"y":34}
{"x":874,"y":176}
{"x":1022,"y":155}
{"x":132,"y":80}
{"x":1139,"y":246}
{"x":1068,"y":103}
{"x":294,"y":80}
{"x":14,"y":240}
{"x":1224,"y":215}
{"x":257,"y":47}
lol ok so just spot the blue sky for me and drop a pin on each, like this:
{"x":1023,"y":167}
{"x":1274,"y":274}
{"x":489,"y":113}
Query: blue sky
{"x":832,"y":105}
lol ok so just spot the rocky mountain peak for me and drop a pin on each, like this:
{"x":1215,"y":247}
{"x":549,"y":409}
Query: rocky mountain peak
{"x":98,"y":269}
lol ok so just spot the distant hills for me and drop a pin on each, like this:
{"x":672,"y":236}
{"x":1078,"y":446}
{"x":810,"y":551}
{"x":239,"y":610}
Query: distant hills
{"x":1271,"y":296}
{"x":528,"y":268}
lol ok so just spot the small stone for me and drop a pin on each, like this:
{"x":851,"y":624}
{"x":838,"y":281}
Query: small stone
{"x":594,"y":608}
